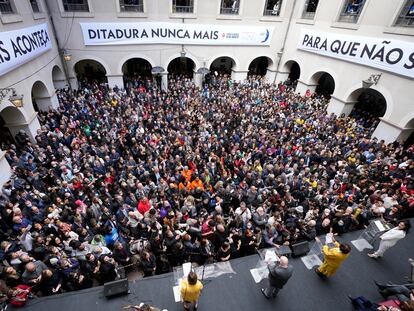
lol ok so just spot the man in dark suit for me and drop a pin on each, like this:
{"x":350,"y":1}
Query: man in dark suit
{"x":280,"y":272}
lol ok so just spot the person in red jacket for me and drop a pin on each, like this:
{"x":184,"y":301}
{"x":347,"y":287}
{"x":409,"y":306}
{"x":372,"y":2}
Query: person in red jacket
{"x":143,"y":205}
{"x":19,"y":295}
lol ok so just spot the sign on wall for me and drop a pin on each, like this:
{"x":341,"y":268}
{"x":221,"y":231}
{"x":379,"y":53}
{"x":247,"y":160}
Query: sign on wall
{"x":20,"y":46}
{"x":174,"y":33}
{"x":385,"y":54}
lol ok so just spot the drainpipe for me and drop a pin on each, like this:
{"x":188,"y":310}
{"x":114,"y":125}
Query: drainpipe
{"x":280,"y":53}
{"x":60,"y":49}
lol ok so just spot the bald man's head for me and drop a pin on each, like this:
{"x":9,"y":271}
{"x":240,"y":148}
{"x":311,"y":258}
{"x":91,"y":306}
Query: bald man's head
{"x":284,"y":261}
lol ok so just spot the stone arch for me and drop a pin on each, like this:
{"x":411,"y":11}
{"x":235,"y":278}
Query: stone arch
{"x":178,"y":55}
{"x":259,"y":65}
{"x":58,"y":78}
{"x":369,"y":102}
{"x":324,"y":81}
{"x":12,"y":120}
{"x":183,"y":66}
{"x":91,"y":69}
{"x":41,"y":97}
{"x":293,"y":68}
{"x":136,"y":66}
{"x":132,"y":56}
{"x":222,"y":64}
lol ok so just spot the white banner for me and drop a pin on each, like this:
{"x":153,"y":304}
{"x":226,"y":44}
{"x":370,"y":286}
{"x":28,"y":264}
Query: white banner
{"x":19,"y":46}
{"x":174,"y":33}
{"x":386,"y":54}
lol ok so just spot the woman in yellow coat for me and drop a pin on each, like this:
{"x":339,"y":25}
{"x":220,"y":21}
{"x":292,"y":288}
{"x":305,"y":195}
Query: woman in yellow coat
{"x":190,"y":290}
{"x":333,"y":258}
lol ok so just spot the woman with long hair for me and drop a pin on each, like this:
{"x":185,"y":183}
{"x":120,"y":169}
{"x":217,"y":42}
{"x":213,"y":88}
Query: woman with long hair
{"x":390,"y":238}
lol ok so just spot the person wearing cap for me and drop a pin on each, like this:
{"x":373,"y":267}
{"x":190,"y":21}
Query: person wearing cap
{"x":190,"y":290}
{"x":280,"y":271}
{"x":333,"y":258}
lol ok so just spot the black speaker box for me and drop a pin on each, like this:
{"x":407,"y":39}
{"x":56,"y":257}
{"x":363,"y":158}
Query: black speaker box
{"x":116,"y":288}
{"x":300,"y":249}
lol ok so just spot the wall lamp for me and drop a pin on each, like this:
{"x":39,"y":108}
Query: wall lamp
{"x":16,"y":100}
{"x":372,"y":80}
{"x":67,"y":56}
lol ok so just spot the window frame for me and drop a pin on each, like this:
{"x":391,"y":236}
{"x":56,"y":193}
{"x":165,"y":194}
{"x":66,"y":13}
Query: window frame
{"x":10,"y":4}
{"x":309,"y":15}
{"x":121,"y":4}
{"x":174,"y":7}
{"x":268,"y":13}
{"x":39,"y":7}
{"x":349,"y":17}
{"x":224,"y":10}
{"x":86,"y":2}
{"x":405,"y":8}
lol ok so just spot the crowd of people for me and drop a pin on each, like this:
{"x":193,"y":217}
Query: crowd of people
{"x":144,"y":180}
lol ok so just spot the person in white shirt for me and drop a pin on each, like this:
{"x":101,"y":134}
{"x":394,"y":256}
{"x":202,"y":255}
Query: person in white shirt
{"x":244,"y":212}
{"x":390,"y":238}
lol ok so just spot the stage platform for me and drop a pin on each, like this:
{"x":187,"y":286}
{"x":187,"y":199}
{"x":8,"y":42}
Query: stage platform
{"x":304,"y":291}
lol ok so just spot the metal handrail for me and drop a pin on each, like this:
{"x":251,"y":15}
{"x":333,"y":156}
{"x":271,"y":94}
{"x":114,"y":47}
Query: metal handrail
{"x":270,"y":12}
{"x":224,"y":10}
{"x":132,"y":7}
{"x":183,"y":9}
{"x":75,"y":7}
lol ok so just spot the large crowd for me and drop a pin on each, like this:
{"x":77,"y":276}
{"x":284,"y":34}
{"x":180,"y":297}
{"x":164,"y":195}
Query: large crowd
{"x":144,"y":180}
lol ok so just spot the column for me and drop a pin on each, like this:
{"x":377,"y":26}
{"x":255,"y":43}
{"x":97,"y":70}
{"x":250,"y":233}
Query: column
{"x":45,"y":103}
{"x":198,"y":79}
{"x":164,"y":81}
{"x":270,"y":76}
{"x":238,"y":76}
{"x":73,"y":81}
{"x":390,"y":132}
{"x":4,"y":169}
{"x":339,"y":107}
{"x":281,"y":76}
{"x":29,"y":127}
{"x":303,"y":87}
{"x":115,"y":80}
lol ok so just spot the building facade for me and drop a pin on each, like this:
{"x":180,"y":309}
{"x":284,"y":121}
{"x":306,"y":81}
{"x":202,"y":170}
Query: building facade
{"x":284,"y":53}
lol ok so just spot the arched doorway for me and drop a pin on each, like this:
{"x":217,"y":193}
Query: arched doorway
{"x":181,"y":66}
{"x":222,"y":65}
{"x":58,"y":77}
{"x":294,"y":70}
{"x":40,"y":97}
{"x":325,"y":83}
{"x":11,"y":116}
{"x":259,"y":65}
{"x":410,"y":139}
{"x":89,"y":70}
{"x":136,"y":70}
{"x":370,"y":105}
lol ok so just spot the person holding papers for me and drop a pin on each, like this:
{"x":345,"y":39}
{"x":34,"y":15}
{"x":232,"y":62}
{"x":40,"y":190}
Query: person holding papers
{"x":190,"y":290}
{"x":280,"y":272}
{"x":333,"y":256}
{"x":390,"y":238}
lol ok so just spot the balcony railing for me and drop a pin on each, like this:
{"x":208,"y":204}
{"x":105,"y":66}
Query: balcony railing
{"x":132,"y":8}
{"x":183,"y":9}
{"x":405,"y":21}
{"x":6,"y":8}
{"x":349,"y":17}
{"x":308,"y":15}
{"x":229,"y":11}
{"x":75,"y":7}
{"x":268,"y":12}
